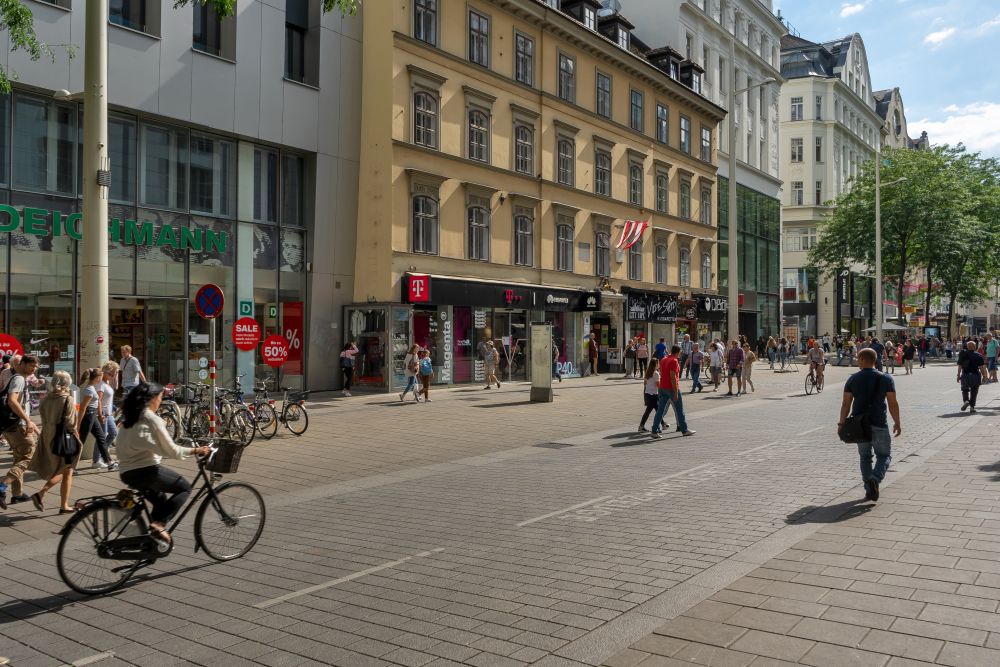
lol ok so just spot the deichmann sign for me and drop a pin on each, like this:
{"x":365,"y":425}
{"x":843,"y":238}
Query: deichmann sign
{"x":34,"y":221}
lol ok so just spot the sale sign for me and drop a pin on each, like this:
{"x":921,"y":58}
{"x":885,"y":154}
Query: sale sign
{"x":9,"y":346}
{"x":246,"y":333}
{"x":274,"y":351}
{"x":292,"y":322}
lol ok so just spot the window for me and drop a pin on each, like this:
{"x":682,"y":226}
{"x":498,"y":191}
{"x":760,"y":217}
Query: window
{"x":689,"y":46}
{"x":425,"y":225}
{"x":685,"y":205}
{"x":565,"y":159}
{"x":635,"y":117}
{"x":799,"y":286}
{"x":706,"y":206}
{"x":704,"y":61}
{"x":45,"y":145}
{"x":122,"y":151}
{"x":564,"y":244}
{"x":479,"y":231}
{"x":685,"y":265}
{"x":602,"y":173}
{"x":524,"y":248}
{"x":660,"y":264}
{"x":662,"y":185}
{"x":662,"y":124}
{"x":134,"y":14}
{"x":602,"y":258}
{"x":293,"y":189}
{"x":819,"y":107}
{"x":425,"y":20}
{"x":797,"y":149}
{"x":635,"y":185}
{"x":213,"y":34}
{"x":524,"y":59}
{"x":819,"y":149}
{"x":603,"y":95}
{"x":706,"y":270}
{"x":590,"y":18}
{"x":567,"y":78}
{"x":797,"y":193}
{"x":479,"y":39}
{"x":696,"y":82}
{"x":164,"y":157}
{"x":635,"y":261}
{"x":706,"y":144}
{"x":297,"y":66}
{"x":213,"y":176}
{"x":686,"y":135}
{"x":799,"y":239}
{"x":623,"y":38}
{"x":479,"y":134}
{"x":796,"y":108}
{"x":265,"y":180}
{"x":819,"y":193}
{"x":425,"y":119}
{"x":524,"y":150}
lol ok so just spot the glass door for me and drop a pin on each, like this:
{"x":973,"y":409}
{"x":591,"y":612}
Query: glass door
{"x":163,"y":341}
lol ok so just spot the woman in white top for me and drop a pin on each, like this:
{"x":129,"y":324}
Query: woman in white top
{"x":107,"y":386}
{"x":410,"y":364}
{"x":92,"y":419}
{"x":143,"y":442}
{"x":651,"y":394}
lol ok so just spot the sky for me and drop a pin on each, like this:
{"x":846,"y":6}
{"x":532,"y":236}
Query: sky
{"x":938,"y":52}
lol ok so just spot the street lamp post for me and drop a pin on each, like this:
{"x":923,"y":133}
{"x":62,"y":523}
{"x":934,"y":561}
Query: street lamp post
{"x":879,"y":292}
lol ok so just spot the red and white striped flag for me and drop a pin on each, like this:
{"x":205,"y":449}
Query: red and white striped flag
{"x":631,"y":233}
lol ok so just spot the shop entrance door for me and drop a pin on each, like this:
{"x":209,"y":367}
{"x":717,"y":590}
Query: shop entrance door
{"x":510,"y":336}
{"x":155,"y":329}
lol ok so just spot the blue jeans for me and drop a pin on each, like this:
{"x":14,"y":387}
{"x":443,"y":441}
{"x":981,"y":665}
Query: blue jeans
{"x":923,"y":357}
{"x":411,"y":383}
{"x":695,"y":376}
{"x":666,"y":398}
{"x":110,"y":430}
{"x":881,"y":444}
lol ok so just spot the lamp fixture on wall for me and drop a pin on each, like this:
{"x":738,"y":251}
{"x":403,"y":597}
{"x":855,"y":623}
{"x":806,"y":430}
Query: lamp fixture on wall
{"x":503,"y":198}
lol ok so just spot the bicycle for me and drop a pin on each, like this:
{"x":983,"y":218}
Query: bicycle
{"x":262,"y":409}
{"x":814,"y":381}
{"x":293,"y":411}
{"x":107,"y":540}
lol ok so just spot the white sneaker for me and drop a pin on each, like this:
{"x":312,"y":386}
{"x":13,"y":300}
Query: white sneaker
{"x":113,"y":466}
{"x":427,"y":399}
{"x":99,"y":465}
{"x":345,"y":393}
{"x":401,"y":395}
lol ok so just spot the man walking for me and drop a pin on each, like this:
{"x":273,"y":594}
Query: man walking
{"x":879,"y":348}
{"x":693,"y":365}
{"x":923,"y":346}
{"x":970,"y":364}
{"x":735,"y":363}
{"x":867,"y":393}
{"x":686,"y":347}
{"x":991,"y":356}
{"x":660,"y":350}
{"x":592,"y":353}
{"x":715,"y":355}
{"x":670,"y":392}
{"x":22,"y":436}
{"x":132,"y":373}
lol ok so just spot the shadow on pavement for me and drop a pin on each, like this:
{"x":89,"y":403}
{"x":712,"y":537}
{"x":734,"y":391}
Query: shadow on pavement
{"x":506,"y":405}
{"x":952,"y":415}
{"x":829,"y":513}
{"x":993,"y":468}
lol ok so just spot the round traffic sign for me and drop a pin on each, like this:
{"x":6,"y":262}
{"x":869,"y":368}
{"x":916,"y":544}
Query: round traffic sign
{"x":246,"y":333}
{"x":274,"y":351}
{"x":209,"y":301}
{"x":10,"y":345}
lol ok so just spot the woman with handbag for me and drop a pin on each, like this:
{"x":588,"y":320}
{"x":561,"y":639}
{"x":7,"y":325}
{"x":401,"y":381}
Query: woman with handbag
{"x":410,"y":367}
{"x":60,"y":448}
{"x":347,"y":366}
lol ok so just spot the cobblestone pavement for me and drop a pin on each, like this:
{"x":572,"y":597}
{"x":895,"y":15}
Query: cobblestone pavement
{"x":481,"y":529}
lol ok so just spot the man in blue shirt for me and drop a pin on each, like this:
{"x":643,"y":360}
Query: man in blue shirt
{"x":660,"y":350}
{"x":874,"y":344}
{"x":867,"y":393}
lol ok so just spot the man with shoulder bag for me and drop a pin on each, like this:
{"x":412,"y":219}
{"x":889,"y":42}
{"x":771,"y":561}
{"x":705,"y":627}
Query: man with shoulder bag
{"x":18,"y":429}
{"x":863,"y":419}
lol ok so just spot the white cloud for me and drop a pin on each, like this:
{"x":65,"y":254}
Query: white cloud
{"x":850,"y":10}
{"x":976,"y":125}
{"x":936,"y":39}
{"x":989,"y":25}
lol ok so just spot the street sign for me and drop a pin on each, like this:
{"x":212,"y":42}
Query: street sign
{"x":246,"y":333}
{"x":209,"y":301}
{"x":274,"y":351}
{"x":246,"y":308}
{"x":10,"y":345}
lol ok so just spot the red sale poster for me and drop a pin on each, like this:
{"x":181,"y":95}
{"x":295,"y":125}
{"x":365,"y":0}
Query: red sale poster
{"x":292,"y":321}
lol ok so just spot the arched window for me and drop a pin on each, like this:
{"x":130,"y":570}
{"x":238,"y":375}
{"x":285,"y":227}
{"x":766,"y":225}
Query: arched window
{"x":635,"y":185}
{"x":602,"y":258}
{"x":635,"y":261}
{"x":524,"y":150}
{"x":479,"y":233}
{"x":685,"y":267}
{"x":524,"y":247}
{"x":565,"y":166}
{"x":425,"y":225}
{"x":479,"y":132}
{"x":685,"y":211}
{"x":706,"y":270}
{"x":661,"y":263}
{"x":425,"y":120}
{"x":564,"y":247}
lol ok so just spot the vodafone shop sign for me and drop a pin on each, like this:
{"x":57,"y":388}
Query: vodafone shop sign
{"x":246,"y":333}
{"x":274,"y":351}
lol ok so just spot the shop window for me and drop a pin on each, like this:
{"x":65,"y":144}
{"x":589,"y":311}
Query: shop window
{"x":635,"y":261}
{"x":685,"y":199}
{"x":213,"y":176}
{"x":685,"y":267}
{"x":662,"y":185}
{"x":45,"y":145}
{"x":140,"y":15}
{"x":164,"y":157}
{"x":602,"y":255}
{"x":566,"y":162}
{"x":706,"y":270}
{"x":799,"y":286}
{"x":425,"y":119}
{"x":214,"y":34}
{"x":265,"y":189}
{"x":479,"y":231}
{"x":564,"y":244}
{"x":302,"y":30}
{"x":425,"y":20}
{"x":293,"y":190}
{"x":479,"y":134}
{"x":602,"y":173}
{"x":661,"y":263}
{"x":635,"y":185}
{"x":524,"y":150}
{"x":524,"y":247}
{"x":122,"y":151}
{"x":425,"y":225}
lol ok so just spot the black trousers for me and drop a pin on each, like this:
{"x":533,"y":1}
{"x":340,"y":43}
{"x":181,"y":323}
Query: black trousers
{"x":970,"y":387}
{"x":642,"y":365}
{"x":348,"y":377}
{"x":156,"y":482}
{"x":651,"y":401}
{"x":91,"y":425}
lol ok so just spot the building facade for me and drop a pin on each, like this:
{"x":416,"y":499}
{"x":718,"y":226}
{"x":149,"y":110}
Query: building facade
{"x":703,"y":31}
{"x":234,"y":155}
{"x":510,"y":146}
{"x":829,"y":126}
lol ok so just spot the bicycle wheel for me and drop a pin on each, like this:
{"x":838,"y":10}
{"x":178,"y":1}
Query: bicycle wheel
{"x":169,"y":418}
{"x":266,"y":419}
{"x":77,"y":559}
{"x":197,"y":425}
{"x":810,"y":383}
{"x":228,"y":526}
{"x":296,"y":418}
{"x":241,"y":425}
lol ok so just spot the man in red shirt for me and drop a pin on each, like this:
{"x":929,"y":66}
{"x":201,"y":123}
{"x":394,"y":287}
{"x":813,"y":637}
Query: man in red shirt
{"x":670,"y":392}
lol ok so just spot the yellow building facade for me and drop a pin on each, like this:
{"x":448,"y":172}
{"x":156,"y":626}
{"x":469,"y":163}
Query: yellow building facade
{"x":504,"y":146}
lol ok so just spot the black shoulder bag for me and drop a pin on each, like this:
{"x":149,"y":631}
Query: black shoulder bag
{"x":65,"y":444}
{"x":859,"y":428}
{"x":8,"y":418}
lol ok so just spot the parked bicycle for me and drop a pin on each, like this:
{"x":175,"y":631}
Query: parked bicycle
{"x":107,"y":540}
{"x":262,"y":408}
{"x":293,"y":408}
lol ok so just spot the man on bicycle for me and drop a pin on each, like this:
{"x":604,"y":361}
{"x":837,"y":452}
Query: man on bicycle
{"x":817,"y":362}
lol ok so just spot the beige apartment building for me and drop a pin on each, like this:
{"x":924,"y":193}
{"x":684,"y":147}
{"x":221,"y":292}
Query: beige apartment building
{"x":505,"y":144}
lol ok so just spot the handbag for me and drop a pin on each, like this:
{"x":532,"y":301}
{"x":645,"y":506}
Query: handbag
{"x":65,"y":444}
{"x":858,"y":428}
{"x":8,"y":418}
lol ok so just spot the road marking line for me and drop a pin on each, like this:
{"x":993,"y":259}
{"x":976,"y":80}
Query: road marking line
{"x":812,"y":430}
{"x":682,"y":472}
{"x":757,"y":449}
{"x":342,"y":580}
{"x":89,"y":660}
{"x":563,"y":511}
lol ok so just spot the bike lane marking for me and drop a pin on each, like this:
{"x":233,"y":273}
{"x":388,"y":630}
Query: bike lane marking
{"x":563,"y":511}
{"x":351,"y":577}
{"x":91,"y":659}
{"x":812,"y":430}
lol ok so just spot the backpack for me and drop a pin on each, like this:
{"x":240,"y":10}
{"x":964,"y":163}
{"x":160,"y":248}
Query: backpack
{"x":426,"y":367}
{"x":8,"y":418}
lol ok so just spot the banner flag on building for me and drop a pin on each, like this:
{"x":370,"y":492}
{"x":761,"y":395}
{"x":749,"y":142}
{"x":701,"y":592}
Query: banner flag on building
{"x":631,"y":233}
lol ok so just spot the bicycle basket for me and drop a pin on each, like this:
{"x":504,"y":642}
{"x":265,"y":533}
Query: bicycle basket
{"x":226,"y":458}
{"x":298,"y":396}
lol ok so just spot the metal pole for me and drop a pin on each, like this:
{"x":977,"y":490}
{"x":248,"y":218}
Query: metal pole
{"x":733,"y":323}
{"x":879,"y":305}
{"x":94,"y":326}
{"x":212,"y":416}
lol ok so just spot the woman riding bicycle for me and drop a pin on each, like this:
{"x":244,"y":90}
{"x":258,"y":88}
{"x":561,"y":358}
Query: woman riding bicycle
{"x":142,"y":443}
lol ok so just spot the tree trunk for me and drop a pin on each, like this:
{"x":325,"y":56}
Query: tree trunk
{"x":927,"y":297}
{"x":952,"y":298}
{"x":901,"y":288}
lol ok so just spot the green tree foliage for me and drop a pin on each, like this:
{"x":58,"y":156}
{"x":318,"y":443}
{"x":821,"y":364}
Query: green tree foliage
{"x":18,"y":21}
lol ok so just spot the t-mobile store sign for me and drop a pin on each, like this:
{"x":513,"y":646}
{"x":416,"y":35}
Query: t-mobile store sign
{"x":419,"y":288}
